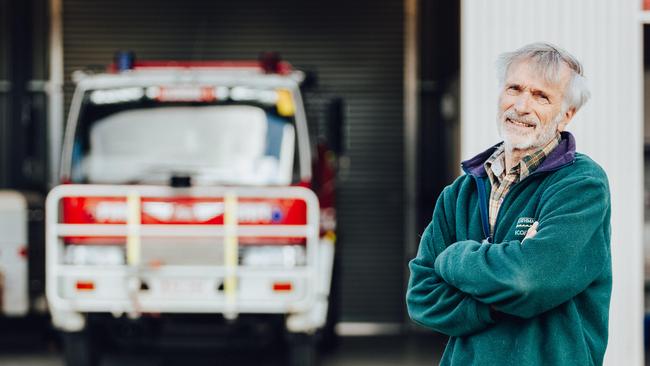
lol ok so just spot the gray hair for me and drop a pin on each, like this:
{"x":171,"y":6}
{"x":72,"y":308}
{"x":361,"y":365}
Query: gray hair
{"x":547,"y":59}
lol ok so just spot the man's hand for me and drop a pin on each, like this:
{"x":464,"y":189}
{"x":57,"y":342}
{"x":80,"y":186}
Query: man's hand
{"x":532,"y":231}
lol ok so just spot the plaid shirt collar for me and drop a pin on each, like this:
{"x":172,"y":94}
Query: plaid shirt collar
{"x":495,"y":165}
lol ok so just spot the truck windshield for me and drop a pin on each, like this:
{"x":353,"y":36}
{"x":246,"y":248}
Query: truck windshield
{"x":248,"y":140}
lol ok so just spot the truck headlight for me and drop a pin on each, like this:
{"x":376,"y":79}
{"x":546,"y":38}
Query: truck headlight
{"x":94,"y":255}
{"x":284,"y":256}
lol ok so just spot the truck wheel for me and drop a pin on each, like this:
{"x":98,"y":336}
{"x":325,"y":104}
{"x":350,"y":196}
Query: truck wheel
{"x":302,"y":350}
{"x":78,"y":349}
{"x":328,"y":339}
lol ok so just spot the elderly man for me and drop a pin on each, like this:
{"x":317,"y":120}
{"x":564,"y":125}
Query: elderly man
{"x":515,"y":265}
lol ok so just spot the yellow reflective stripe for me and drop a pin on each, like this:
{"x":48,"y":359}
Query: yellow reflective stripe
{"x":133,"y":221}
{"x":331,"y":235}
{"x":231,"y":244}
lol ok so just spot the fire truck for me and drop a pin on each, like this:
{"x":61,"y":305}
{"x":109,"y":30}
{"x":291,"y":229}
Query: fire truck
{"x":192,"y":210}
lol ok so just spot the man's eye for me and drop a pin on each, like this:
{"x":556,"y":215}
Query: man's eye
{"x":512,"y":90}
{"x":542,"y":99}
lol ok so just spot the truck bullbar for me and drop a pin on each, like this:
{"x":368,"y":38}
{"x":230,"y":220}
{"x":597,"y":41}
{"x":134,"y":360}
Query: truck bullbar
{"x":240,"y":284}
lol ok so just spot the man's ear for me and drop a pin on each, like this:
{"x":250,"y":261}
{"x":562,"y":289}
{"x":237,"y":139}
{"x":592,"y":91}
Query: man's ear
{"x":568,"y":115}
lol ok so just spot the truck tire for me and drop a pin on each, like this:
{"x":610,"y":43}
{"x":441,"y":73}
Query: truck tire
{"x":328,"y":339}
{"x":302,"y":350}
{"x":78,"y":349}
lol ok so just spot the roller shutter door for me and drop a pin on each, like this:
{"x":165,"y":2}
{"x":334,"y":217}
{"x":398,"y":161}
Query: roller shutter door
{"x":357,"y":49}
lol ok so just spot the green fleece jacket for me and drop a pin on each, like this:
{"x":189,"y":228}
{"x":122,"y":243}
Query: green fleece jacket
{"x":541,"y":301}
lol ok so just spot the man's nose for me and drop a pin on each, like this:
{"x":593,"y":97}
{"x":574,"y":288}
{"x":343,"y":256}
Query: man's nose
{"x":522,"y":104}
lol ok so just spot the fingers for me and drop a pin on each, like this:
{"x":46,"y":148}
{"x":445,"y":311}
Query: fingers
{"x":532,"y":230}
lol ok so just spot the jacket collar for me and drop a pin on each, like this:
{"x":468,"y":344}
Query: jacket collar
{"x":563,"y":154}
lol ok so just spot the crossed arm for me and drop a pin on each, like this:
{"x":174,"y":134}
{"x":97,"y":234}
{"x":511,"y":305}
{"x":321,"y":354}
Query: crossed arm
{"x":431,"y":301}
{"x":453,"y":285}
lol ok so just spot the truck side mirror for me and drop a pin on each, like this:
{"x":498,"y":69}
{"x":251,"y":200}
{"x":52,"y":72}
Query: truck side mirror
{"x":310,"y":82}
{"x":336,"y":125}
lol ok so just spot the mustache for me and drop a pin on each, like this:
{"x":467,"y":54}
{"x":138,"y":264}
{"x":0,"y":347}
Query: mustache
{"x":511,"y":115}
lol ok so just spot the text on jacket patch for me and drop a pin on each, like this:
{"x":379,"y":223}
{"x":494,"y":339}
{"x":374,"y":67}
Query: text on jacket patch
{"x":523,"y":223}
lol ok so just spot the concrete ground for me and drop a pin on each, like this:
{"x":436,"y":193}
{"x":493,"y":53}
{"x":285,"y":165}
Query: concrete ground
{"x":410,"y":350}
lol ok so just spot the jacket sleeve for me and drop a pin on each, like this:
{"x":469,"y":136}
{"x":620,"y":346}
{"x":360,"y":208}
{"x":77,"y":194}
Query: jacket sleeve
{"x":527,"y":278}
{"x":432,"y":302}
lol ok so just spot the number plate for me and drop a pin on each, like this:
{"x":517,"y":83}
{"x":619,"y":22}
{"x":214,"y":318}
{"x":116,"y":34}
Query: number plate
{"x":190,"y":286}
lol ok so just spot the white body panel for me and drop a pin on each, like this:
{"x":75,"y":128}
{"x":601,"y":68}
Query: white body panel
{"x":606,"y":37}
{"x":13,"y":246}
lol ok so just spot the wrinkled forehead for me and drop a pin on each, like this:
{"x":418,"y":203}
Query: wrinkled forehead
{"x":552,"y":72}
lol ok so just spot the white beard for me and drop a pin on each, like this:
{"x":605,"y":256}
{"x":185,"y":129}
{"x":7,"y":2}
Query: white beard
{"x":521,"y":139}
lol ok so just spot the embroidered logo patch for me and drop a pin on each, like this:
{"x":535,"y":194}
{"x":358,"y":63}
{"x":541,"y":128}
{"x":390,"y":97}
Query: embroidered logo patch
{"x":523,"y":223}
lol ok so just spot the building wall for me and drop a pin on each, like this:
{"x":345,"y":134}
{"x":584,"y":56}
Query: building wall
{"x":5,"y":88}
{"x":22,"y":124}
{"x":605,"y":36}
{"x":356,"y":47}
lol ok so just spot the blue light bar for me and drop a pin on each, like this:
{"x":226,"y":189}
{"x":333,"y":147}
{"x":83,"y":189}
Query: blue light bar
{"x":124,"y":60}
